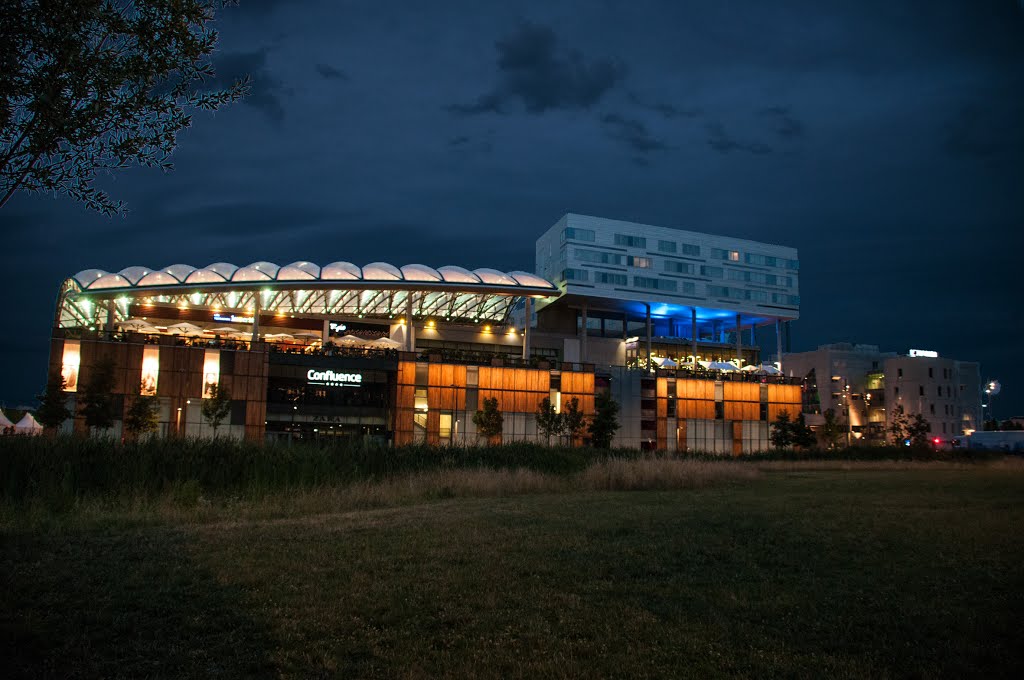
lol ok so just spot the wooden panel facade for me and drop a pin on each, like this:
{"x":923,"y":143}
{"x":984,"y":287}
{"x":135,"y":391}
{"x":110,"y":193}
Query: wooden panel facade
{"x":741,"y":401}
{"x":179,"y":379}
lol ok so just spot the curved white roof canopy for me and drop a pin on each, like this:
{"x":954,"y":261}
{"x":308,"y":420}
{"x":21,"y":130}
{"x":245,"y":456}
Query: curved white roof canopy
{"x":224,"y":273}
{"x":378,"y":289}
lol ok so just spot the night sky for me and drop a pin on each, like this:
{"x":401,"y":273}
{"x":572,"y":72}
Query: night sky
{"x":884,"y":140}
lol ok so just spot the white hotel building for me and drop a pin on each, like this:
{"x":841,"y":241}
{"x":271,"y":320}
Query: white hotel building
{"x":690,"y":294}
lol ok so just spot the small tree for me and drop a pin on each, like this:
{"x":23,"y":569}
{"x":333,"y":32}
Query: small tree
{"x":142,"y":417}
{"x":782,"y":431}
{"x":803,"y":435}
{"x":98,"y":405}
{"x":831,"y":429}
{"x":489,"y":421}
{"x":53,"y":409}
{"x":605,"y":422}
{"x":917,"y":431}
{"x":573,"y":420}
{"x":217,"y":407}
{"x":549,"y":421}
{"x":898,"y":425}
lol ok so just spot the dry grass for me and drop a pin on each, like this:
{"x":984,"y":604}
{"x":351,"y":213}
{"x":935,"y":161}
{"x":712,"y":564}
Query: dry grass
{"x":657,"y":473}
{"x":650,"y":473}
{"x":615,"y":474}
{"x":1003,"y":464}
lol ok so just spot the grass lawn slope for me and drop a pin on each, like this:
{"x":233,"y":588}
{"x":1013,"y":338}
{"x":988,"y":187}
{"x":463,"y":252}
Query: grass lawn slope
{"x":800,"y":571}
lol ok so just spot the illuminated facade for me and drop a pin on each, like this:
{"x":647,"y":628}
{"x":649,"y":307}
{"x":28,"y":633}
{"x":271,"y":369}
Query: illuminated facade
{"x":685,"y":294}
{"x":863,"y":386}
{"x":400,"y":355}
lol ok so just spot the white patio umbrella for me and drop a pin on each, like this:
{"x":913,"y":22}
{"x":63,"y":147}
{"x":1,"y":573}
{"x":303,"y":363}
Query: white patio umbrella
{"x":223,"y":330}
{"x":133,"y":324}
{"x":350,"y":340}
{"x":665,"y":362}
{"x":185,"y":328}
{"x":277,"y":336}
{"x":5,"y":421}
{"x":385,"y":342}
{"x":307,"y":334}
{"x":724,"y":366}
{"x":749,"y":368}
{"x":768,"y":369}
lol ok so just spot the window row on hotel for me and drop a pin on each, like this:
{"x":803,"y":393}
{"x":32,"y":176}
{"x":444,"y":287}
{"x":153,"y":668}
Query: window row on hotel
{"x":598,"y":257}
{"x":687,"y":287}
{"x":689,"y":249}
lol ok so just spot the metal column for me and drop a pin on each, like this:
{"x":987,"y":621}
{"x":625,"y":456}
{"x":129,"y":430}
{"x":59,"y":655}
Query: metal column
{"x":693,"y":319}
{"x":526,"y":328}
{"x":410,"y":340}
{"x":583,"y":336}
{"x":255,"y":318}
{"x":739,"y":341}
{"x":778,"y":341}
{"x":648,"y":336}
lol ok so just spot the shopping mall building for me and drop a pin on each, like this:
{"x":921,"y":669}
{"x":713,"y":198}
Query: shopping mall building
{"x":663,"y":319}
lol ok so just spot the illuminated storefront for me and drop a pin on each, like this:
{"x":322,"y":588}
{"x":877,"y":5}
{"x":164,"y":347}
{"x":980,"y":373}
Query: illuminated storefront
{"x":396,"y":355}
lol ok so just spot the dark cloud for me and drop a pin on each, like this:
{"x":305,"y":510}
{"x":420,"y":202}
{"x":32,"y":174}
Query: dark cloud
{"x":331,"y":73}
{"x":543,"y":76}
{"x":632,"y":132}
{"x":465,"y":144}
{"x":783,"y":122}
{"x":266,"y":92}
{"x":722,"y":142}
{"x":667,"y":110}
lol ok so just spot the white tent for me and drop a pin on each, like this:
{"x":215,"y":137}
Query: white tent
{"x":4,"y":420}
{"x":28,"y":425}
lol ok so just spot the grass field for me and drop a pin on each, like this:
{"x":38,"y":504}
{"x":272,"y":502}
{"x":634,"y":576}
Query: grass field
{"x":798,"y":570}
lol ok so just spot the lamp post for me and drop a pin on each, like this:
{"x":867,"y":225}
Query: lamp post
{"x":849,"y":423}
{"x":992,"y":388}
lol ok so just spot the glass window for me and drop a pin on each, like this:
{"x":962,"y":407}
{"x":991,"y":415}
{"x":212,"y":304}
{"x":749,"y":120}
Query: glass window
{"x":612,"y":279}
{"x":712,"y":272}
{"x":639,"y":262}
{"x":678,"y":267}
{"x":630,"y":241}
{"x":598,"y":257}
{"x":576,"y":234}
{"x":666,"y":246}
{"x":734,"y":256}
{"x":574,"y":275}
{"x":654,"y":284}
{"x":690,"y":249}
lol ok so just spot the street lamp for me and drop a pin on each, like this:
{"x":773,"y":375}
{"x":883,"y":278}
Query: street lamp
{"x":992,"y":388}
